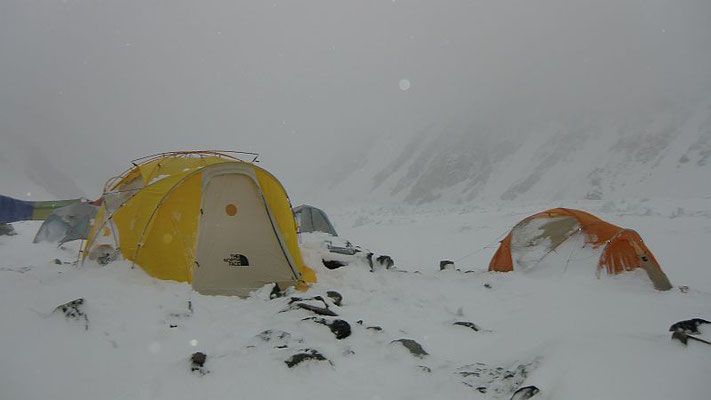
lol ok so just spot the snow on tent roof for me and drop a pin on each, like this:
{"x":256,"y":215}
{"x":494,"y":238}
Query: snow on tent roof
{"x":535,"y":237}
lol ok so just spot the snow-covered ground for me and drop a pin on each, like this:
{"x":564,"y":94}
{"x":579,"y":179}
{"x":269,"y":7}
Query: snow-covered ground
{"x":561,"y":329}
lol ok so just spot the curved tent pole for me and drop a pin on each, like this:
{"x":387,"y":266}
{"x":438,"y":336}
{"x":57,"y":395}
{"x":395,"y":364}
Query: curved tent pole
{"x":217,"y":153}
{"x":142,"y":160}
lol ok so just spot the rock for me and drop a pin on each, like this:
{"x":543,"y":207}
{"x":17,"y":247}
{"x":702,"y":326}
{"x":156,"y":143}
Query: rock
{"x":197,"y":363}
{"x":316,"y":309}
{"x":425,"y":368}
{"x":690,"y":326}
{"x":74,"y":310}
{"x":333,"y":264}
{"x":446,"y":264}
{"x":525,"y":392}
{"x":275,"y":293}
{"x":470,"y":325}
{"x":198,"y":359}
{"x":338,"y":327}
{"x":335,"y":296}
{"x":487,"y":285}
{"x":413,"y":347}
{"x":369,"y":257}
{"x":308,"y":354}
{"x":7,"y":230}
{"x":385,"y":261}
{"x":58,"y":261}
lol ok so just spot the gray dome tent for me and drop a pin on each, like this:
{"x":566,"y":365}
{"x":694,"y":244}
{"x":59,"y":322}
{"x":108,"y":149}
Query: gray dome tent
{"x":67,"y":223}
{"x":312,"y":219}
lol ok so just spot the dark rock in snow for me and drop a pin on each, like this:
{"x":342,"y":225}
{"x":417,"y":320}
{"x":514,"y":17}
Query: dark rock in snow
{"x":339,"y":327}
{"x":197,"y":363}
{"x":385,"y":261}
{"x":308,"y":354}
{"x":275,"y":293}
{"x":7,"y":230}
{"x":74,"y":310}
{"x":425,"y":368}
{"x":198,"y":359}
{"x":369,"y":257}
{"x":333,"y":264}
{"x":525,"y":392}
{"x":487,"y":285}
{"x":316,"y":309}
{"x":446,"y":264}
{"x":335,"y":296}
{"x":413,"y":347}
{"x":470,"y":325}
{"x":690,"y":326}
{"x":58,"y":261}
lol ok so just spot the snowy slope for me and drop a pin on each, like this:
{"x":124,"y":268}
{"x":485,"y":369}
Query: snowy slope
{"x":574,"y":336}
{"x":656,"y":153}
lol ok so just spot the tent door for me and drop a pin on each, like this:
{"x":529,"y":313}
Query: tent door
{"x":237,"y":247}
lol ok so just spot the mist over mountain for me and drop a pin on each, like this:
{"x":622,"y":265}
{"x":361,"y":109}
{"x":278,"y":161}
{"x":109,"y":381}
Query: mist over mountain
{"x":663,"y":152}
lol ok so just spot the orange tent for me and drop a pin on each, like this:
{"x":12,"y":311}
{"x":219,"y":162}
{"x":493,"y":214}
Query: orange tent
{"x":622,"y":249}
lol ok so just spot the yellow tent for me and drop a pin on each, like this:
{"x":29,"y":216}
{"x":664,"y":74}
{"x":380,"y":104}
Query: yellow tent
{"x":208,"y":218}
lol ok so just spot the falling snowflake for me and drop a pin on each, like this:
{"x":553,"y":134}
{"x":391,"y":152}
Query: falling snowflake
{"x":404,"y":84}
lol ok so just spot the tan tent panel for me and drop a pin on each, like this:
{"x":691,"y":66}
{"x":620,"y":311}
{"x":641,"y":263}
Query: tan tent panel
{"x":540,"y":234}
{"x":208,"y":218}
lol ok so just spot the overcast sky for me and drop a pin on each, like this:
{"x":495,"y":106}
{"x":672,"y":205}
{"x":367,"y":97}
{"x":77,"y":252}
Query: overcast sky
{"x":95,"y":84}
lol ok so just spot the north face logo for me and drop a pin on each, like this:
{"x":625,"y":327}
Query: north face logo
{"x":237,"y":260}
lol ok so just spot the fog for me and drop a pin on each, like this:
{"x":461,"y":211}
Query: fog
{"x":96,"y":84}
